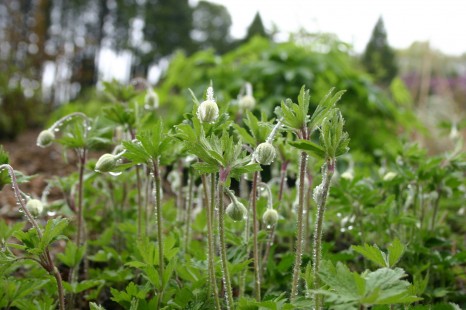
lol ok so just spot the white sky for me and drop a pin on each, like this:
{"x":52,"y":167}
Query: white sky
{"x":442,"y":22}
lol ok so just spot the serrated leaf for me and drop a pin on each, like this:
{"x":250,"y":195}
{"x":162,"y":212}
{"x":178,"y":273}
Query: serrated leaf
{"x":395,"y":251}
{"x":372,"y":253}
{"x":52,"y":232}
{"x":94,"y":306}
{"x":72,"y":255}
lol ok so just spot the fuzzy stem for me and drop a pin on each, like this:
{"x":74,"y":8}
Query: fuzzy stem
{"x":329,"y":169}
{"x":210,"y":238}
{"x":139,"y":197}
{"x":223,"y":249}
{"x":82,"y":163}
{"x":61,"y":295}
{"x":158,"y":212}
{"x":188,"y":211}
{"x":46,"y":261}
{"x":434,"y":215}
{"x":299,"y":228}
{"x":255,"y":233}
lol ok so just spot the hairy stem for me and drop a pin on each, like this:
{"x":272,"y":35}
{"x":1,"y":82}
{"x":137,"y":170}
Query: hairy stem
{"x":46,"y":260}
{"x":329,"y":169}
{"x":271,"y":236}
{"x":255,"y":233}
{"x":223,"y":249}
{"x":299,"y":228}
{"x":188,"y":211}
{"x":210,"y":206}
{"x":158,"y":213}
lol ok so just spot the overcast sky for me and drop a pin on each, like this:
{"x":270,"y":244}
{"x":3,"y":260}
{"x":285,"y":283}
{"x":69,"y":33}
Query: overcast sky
{"x":442,"y":22}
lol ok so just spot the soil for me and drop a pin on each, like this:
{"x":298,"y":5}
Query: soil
{"x":40,"y":163}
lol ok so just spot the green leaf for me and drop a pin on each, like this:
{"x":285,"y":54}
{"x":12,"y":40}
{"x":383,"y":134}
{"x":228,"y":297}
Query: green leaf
{"x":72,"y":255}
{"x":372,"y":253}
{"x":395,"y":251}
{"x":52,"y":232}
{"x":310,"y":147}
{"x":204,"y":168}
{"x":82,"y":286}
{"x":94,"y":306}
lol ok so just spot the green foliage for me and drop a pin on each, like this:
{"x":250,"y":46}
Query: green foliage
{"x":374,"y":254}
{"x":277,"y":71}
{"x":350,"y":289}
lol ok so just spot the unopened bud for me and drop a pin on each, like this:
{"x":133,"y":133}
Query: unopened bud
{"x":270,"y":217}
{"x":45,"y":138}
{"x":35,"y":206}
{"x":389,"y":176}
{"x":265,"y":153}
{"x":106,"y":163}
{"x":207,"y":111}
{"x":151,"y":100}
{"x":247,"y":102}
{"x":236,"y":211}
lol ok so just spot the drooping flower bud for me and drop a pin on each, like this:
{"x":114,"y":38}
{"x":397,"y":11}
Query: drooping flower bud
{"x":270,"y":217}
{"x":236,"y":211}
{"x":265,"y":153}
{"x":35,"y":206}
{"x":45,"y":138}
{"x":207,"y":111}
{"x":106,"y":163}
{"x":247,"y":102}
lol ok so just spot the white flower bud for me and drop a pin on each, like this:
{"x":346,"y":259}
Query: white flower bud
{"x":207,"y":111}
{"x":264,"y":153}
{"x":106,"y":163}
{"x":348,"y":175}
{"x":247,"y":102}
{"x":236,"y":211}
{"x":389,"y":176}
{"x":270,"y":217}
{"x":151,"y":100}
{"x":45,"y":138}
{"x":35,"y":206}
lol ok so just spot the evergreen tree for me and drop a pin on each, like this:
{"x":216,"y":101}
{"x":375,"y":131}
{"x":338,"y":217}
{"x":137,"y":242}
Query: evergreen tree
{"x":379,"y":57}
{"x":256,"y":28}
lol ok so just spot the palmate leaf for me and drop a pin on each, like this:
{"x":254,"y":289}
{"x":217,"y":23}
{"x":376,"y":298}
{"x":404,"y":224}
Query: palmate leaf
{"x":372,"y":253}
{"x":348,"y":289}
{"x":52,"y":232}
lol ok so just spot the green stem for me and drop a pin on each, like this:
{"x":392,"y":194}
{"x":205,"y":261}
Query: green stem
{"x":434,"y":215}
{"x":82,"y":163}
{"x":158,"y":213}
{"x":210,"y":205}
{"x":299,"y":228}
{"x":255,"y":233}
{"x":188,"y":211}
{"x":223,"y":249}
{"x":139,"y":197}
{"x":327,"y":177}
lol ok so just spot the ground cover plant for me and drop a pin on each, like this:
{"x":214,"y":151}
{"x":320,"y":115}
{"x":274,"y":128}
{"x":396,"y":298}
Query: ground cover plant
{"x":229,"y":207}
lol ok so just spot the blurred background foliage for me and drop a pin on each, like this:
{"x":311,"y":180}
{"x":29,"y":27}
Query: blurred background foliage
{"x":53,"y":52}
